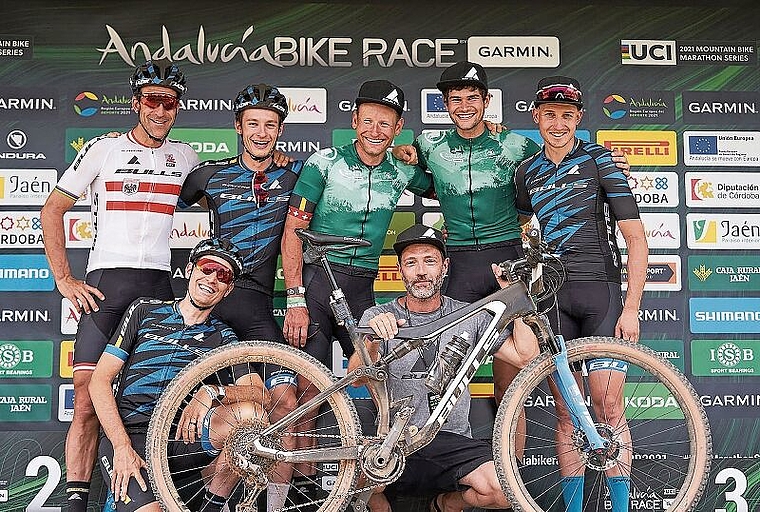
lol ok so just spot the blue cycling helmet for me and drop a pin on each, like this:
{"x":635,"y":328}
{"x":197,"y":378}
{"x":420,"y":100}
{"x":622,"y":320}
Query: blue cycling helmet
{"x":158,"y":72}
{"x":262,"y":96}
{"x":224,"y":249}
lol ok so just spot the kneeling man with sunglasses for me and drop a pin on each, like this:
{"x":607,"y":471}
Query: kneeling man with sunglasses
{"x":155,"y":341}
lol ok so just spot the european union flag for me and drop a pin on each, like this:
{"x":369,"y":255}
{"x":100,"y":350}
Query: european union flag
{"x":435,"y":102}
{"x":68,"y":399}
{"x":703,"y":144}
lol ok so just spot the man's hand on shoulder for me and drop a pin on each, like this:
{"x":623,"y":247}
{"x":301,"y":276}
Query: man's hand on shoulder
{"x":494,"y":128}
{"x":280,"y":159}
{"x":621,"y":162}
{"x":406,"y":153}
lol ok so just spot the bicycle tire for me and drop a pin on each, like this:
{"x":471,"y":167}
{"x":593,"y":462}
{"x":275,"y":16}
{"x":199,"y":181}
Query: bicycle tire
{"x":340,"y":410}
{"x":679,"y":466}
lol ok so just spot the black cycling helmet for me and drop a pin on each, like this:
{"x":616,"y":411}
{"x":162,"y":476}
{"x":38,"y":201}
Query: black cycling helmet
{"x":224,"y":249}
{"x":158,"y":72}
{"x":262,"y":96}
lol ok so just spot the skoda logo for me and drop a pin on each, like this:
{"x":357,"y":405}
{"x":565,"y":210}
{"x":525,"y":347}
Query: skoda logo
{"x":16,"y":139}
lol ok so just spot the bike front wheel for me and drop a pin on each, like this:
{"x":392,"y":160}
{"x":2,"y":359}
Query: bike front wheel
{"x":180,"y":477}
{"x":661,"y":442}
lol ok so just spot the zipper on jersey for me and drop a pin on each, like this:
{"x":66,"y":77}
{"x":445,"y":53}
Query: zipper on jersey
{"x":366,"y":210}
{"x":472,"y":206}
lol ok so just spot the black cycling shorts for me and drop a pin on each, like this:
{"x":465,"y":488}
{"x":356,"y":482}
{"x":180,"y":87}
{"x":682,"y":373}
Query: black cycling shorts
{"x":250,"y":313}
{"x":470,"y":275}
{"x":358,"y":289}
{"x":439,"y":466}
{"x":181,"y":456}
{"x":121,"y":286}
{"x":587,"y":308}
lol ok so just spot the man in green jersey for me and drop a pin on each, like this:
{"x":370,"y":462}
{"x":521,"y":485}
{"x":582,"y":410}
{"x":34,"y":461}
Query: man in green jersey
{"x":350,"y":190}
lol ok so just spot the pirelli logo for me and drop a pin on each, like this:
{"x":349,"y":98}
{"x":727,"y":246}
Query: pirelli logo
{"x":644,"y":148}
{"x":388,"y":276}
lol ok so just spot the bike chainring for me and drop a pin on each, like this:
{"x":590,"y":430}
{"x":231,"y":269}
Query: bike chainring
{"x":382,"y":472}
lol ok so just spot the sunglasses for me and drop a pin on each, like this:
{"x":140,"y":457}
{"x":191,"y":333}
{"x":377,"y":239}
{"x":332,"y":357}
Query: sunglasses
{"x":258,"y":188}
{"x":209,"y":266}
{"x":559,"y":92}
{"x":154,"y":100}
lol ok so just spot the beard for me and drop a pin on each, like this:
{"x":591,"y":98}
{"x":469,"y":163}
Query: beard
{"x":422,"y":293}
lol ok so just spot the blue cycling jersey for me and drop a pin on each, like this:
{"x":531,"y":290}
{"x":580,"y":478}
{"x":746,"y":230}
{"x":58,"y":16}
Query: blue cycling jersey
{"x":155,"y":344}
{"x":577,"y":204}
{"x":255,"y":226}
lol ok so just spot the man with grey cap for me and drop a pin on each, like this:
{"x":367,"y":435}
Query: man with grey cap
{"x":350,"y":190}
{"x":454,"y":470}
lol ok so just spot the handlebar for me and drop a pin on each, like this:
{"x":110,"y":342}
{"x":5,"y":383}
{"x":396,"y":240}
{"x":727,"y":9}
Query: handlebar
{"x":537,"y":252}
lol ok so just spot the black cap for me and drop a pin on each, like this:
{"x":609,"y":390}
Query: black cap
{"x":419,"y":234}
{"x":462,"y":74}
{"x":559,"y":89}
{"x":381,"y":92}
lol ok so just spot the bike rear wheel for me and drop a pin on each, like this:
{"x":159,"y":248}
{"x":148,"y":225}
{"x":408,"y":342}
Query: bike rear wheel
{"x":670,"y":435}
{"x":179,"y":485}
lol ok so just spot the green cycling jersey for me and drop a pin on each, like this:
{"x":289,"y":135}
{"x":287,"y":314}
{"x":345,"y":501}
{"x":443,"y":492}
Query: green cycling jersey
{"x":355,"y":199}
{"x":474,"y":181}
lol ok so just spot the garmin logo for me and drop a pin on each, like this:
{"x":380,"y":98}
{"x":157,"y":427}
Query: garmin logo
{"x":216,"y":105}
{"x":723,"y":108}
{"x":27,"y":103}
{"x":514,"y":51}
{"x":24,"y":315}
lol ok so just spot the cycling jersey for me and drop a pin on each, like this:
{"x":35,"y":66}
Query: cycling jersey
{"x":474,"y":181}
{"x":236,"y":216}
{"x":155,"y":344}
{"x":354,"y":199}
{"x":577,"y":204}
{"x":134,"y":192}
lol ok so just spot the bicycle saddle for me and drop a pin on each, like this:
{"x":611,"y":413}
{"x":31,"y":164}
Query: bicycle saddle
{"x":321,"y":239}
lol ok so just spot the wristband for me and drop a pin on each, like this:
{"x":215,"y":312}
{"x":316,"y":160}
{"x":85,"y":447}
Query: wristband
{"x":295,"y":290}
{"x":212,"y":393}
{"x":295,"y":302}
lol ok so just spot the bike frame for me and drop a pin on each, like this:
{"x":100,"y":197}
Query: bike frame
{"x":505,"y":305}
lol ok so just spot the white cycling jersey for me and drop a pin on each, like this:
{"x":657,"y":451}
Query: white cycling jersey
{"x":134,"y":192}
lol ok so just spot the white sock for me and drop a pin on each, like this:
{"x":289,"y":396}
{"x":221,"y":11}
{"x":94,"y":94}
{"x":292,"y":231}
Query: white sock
{"x":276,"y":495}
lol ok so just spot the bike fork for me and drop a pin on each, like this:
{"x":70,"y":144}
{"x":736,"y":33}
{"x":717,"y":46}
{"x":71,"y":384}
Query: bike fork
{"x":573,"y":398}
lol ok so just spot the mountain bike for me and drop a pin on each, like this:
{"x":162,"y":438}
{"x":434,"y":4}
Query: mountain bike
{"x":667,"y":459}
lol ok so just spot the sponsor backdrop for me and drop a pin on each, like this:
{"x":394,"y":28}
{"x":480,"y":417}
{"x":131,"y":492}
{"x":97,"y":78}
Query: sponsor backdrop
{"x":672,"y":84}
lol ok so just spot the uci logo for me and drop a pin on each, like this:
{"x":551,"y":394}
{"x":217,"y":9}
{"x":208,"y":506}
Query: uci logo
{"x":648,"y":52}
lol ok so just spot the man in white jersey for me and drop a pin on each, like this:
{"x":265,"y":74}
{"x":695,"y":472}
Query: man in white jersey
{"x":135,"y":181}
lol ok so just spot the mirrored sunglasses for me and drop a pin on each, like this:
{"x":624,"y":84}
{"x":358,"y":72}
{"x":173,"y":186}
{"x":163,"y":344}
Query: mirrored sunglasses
{"x":209,"y":266}
{"x":558,"y":92}
{"x":154,"y":100}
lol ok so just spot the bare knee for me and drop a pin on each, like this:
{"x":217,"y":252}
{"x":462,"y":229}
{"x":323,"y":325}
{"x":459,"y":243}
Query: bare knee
{"x":283,"y":400}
